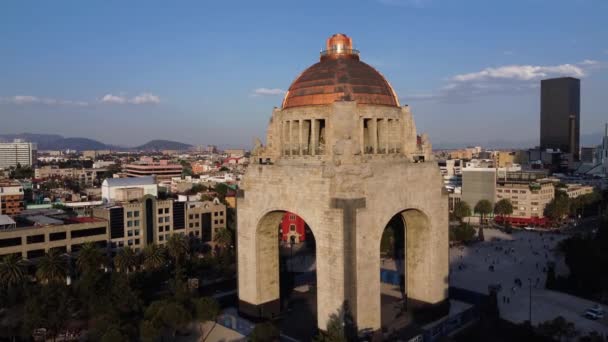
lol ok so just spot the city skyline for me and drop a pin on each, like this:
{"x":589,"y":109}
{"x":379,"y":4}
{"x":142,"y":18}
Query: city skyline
{"x":189,"y":75}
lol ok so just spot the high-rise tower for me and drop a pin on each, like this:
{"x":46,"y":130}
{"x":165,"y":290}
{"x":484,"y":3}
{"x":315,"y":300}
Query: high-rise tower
{"x":560,"y":114}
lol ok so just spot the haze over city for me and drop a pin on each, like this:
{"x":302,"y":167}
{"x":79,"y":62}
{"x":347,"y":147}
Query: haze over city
{"x":470,"y":70}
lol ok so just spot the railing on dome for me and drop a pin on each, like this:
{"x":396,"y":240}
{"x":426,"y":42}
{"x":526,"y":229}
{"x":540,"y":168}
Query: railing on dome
{"x":339,"y":52}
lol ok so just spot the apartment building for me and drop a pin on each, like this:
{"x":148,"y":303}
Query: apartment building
{"x":529,"y":199}
{"x":11,"y":198}
{"x":113,"y":226}
{"x":16,"y":153}
{"x":576,"y":190}
{"x":83,"y":176}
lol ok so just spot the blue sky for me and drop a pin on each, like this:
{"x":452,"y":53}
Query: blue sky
{"x":125,"y":72}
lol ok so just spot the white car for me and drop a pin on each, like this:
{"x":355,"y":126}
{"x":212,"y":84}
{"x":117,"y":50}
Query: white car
{"x":593,"y":314}
{"x":528,"y":228}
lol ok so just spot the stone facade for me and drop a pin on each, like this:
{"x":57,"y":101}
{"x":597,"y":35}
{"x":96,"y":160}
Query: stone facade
{"x":346,"y":169}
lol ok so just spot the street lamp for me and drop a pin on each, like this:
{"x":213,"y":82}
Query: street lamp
{"x":530,"y":302}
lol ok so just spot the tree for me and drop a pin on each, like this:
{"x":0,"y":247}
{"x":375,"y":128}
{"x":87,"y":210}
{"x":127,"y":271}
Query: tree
{"x":126,"y":260}
{"x":206,"y":309}
{"x":154,"y":257}
{"x":558,"y":328}
{"x":462,"y":210}
{"x":264,"y":332}
{"x":464,"y":232}
{"x":113,"y":335}
{"x":52,"y":267}
{"x":12,"y":271}
{"x":341,"y":327}
{"x":178,"y":247}
{"x":148,"y":332}
{"x":89,"y":258}
{"x":558,"y":207}
{"x":503,"y":208}
{"x":483,"y":208}
{"x":167,"y":314}
{"x":48,"y":307}
{"x":223,"y":237}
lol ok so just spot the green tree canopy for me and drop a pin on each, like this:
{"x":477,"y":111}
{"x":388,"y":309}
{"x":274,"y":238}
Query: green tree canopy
{"x":461,"y":210}
{"x":178,"y":247}
{"x":12,"y":271}
{"x":503,"y":207}
{"x":483,"y":207}
{"x":154,"y":257}
{"x":464,"y":232}
{"x":52,"y":267}
{"x":206,"y":309}
{"x":126,"y":260}
{"x":558,"y":207}
{"x":89,"y":258}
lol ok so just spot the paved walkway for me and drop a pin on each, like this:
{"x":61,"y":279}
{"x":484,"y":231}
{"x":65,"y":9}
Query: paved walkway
{"x":522,"y":255}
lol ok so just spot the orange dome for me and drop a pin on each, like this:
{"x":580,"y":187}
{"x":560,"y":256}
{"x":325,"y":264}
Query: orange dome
{"x":340,"y":76}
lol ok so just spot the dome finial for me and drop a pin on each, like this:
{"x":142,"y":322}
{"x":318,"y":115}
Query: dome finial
{"x":339,"y":45}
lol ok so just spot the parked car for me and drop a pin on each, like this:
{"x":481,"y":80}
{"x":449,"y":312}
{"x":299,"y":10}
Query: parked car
{"x":593,"y":315}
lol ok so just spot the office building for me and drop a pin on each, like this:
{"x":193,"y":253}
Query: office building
{"x":163,"y":170}
{"x":17,"y":153}
{"x":560,"y":115}
{"x":478,"y":183}
{"x":127,"y":189}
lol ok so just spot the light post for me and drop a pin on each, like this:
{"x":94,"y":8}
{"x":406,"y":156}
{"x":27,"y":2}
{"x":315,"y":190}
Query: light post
{"x":530,"y":302}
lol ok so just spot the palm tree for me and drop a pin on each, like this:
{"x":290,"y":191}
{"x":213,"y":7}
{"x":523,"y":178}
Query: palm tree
{"x":52,"y":267}
{"x":462,"y":210}
{"x":503,"y":208}
{"x":483,"y":208}
{"x":223,"y":237}
{"x":12,"y":270}
{"x":154,"y":257}
{"x":178,"y":247}
{"x":89,"y":258}
{"x":125,"y":260}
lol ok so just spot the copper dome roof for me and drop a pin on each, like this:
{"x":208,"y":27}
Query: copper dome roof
{"x":340,"y":76}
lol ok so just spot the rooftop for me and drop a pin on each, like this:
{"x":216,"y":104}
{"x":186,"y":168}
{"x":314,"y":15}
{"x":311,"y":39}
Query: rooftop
{"x":127,"y":182}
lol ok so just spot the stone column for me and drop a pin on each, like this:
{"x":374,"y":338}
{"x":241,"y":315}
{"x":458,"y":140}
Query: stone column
{"x":374,"y":134}
{"x":300,"y":122}
{"x":387,"y":134}
{"x":290,"y":137}
{"x":314,"y":137}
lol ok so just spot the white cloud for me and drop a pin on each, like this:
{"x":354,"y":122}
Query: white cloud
{"x":522,"y":72}
{"x":29,"y":99}
{"x":502,"y":80}
{"x":268,"y":92}
{"x":143,"y":98}
{"x":109,"y":98}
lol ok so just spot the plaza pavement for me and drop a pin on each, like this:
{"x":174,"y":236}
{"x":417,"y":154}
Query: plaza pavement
{"x":469,"y":269}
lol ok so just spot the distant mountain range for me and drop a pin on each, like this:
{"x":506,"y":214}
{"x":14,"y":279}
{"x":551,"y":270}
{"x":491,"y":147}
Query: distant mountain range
{"x":586,"y":140}
{"x":58,"y":142}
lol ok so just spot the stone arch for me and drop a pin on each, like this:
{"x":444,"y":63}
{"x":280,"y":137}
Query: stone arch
{"x":417,"y":233}
{"x":418,"y":260}
{"x":267,"y":254}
